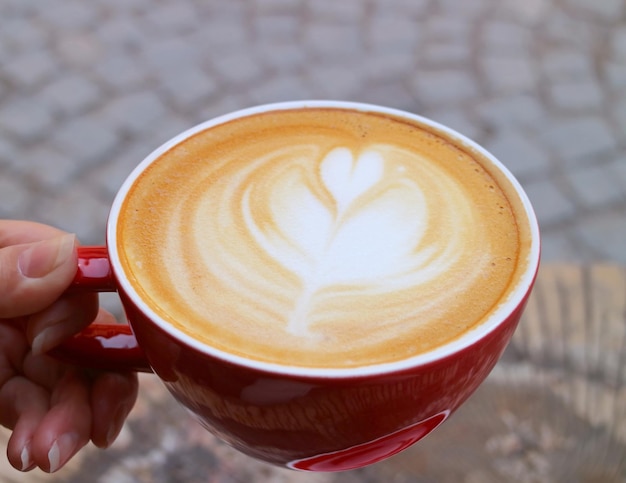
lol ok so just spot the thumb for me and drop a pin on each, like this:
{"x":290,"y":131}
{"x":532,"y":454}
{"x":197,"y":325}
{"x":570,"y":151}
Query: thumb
{"x":34,"y":275}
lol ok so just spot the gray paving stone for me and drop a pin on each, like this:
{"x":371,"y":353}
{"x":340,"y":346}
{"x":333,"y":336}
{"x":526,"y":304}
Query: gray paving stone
{"x":387,"y":67}
{"x":547,"y":85}
{"x":173,"y":17}
{"x":618,"y":44}
{"x":8,"y":151}
{"x":415,"y":9}
{"x":110,"y":176}
{"x":126,"y":6}
{"x":335,"y":81}
{"x":280,"y":88}
{"x":509,"y":75}
{"x":120,"y":72}
{"x":120,"y":33}
{"x":605,"y":234}
{"x":498,"y":36}
{"x":458,"y":120}
{"x":223,"y":32}
{"x":529,"y":12}
{"x":567,"y":64}
{"x":519,"y":152}
{"x":392,"y":33}
{"x":551,"y":205}
{"x":70,"y":94}
{"x":238,"y":69}
{"x":618,"y":109}
{"x":229,"y":102}
{"x":69,"y":14}
{"x":75,"y":210}
{"x":188,"y":88}
{"x":233,"y":9}
{"x":474,"y":9}
{"x":132,"y":113}
{"x":86,"y":140}
{"x":19,"y":33}
{"x":21,"y":7}
{"x":282,"y":6}
{"x":563,"y":30}
{"x":277,"y":26}
{"x":579,"y":138}
{"x":446,"y":28}
{"x":79,"y":49}
{"x":281,"y":56}
{"x":446,"y":54}
{"x":327,"y":41}
{"x":5,"y":55}
{"x":30,"y":68}
{"x":595,"y":186}
{"x":391,"y":93}
{"x":346,"y":10}
{"x":47,"y":167}
{"x":163,"y":130}
{"x":559,"y":247}
{"x":168,"y":55}
{"x":617,"y":170}
{"x":585,"y":96}
{"x":445,"y":86}
{"x":615,"y":74}
{"x":14,"y":196}
{"x":606,"y":10}
{"x":503,"y":111}
{"x":25,"y":119}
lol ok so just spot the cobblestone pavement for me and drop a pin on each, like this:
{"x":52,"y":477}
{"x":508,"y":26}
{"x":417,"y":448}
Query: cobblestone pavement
{"x":87,"y":89}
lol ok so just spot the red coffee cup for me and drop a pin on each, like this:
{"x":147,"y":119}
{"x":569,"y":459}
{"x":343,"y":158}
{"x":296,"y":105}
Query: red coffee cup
{"x":305,"y":419}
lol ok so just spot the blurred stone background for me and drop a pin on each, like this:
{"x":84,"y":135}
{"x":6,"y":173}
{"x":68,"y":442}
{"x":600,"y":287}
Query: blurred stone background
{"x":87,"y":89}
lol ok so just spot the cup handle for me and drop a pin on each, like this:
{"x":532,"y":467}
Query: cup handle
{"x":100,"y":346}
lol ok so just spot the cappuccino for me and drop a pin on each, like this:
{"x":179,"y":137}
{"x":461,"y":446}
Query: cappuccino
{"x":323,"y":237}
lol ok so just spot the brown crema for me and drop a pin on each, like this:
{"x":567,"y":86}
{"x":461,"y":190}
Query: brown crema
{"x":323,"y":237}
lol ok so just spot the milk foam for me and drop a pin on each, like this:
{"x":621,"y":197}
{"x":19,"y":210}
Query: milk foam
{"x":318,"y":249}
{"x":367,"y":234}
{"x":337,"y":221}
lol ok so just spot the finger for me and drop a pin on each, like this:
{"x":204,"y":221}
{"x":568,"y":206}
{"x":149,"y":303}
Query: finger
{"x":61,"y":320}
{"x":113,"y":396}
{"x":33,"y":275}
{"x":66,"y":428}
{"x":13,"y":349}
{"x":23,"y":405}
{"x":17,"y":232}
{"x":43,"y":370}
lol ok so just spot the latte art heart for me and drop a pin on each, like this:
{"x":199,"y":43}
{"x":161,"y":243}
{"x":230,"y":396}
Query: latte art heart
{"x":299,"y":244}
{"x":350,"y":223}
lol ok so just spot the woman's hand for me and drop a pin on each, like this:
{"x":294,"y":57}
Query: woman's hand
{"x":53,"y":409}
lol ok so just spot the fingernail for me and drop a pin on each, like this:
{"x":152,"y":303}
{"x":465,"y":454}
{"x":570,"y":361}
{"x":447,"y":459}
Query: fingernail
{"x":42,"y":341}
{"x":25,"y":458}
{"x":54,"y":321}
{"x":45,"y":256}
{"x":116,"y":426}
{"x":61,"y":451}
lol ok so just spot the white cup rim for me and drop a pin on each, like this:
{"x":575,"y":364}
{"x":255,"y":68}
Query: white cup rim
{"x":498,"y":317}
